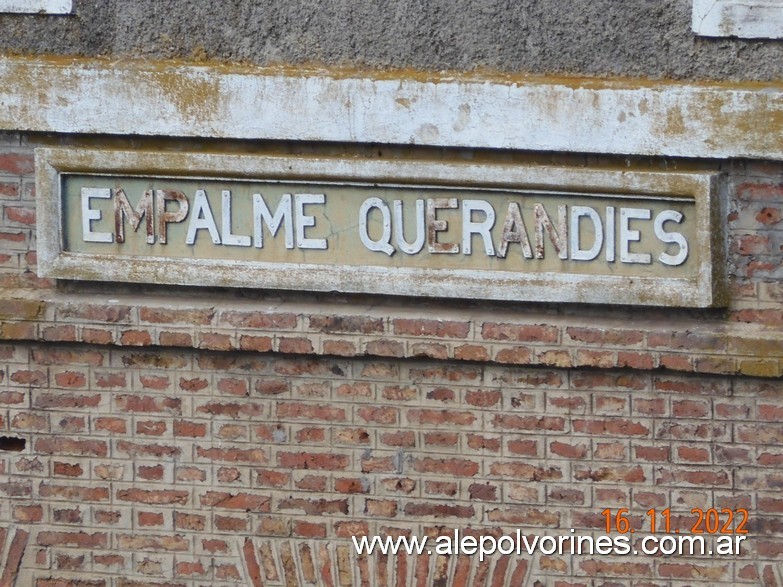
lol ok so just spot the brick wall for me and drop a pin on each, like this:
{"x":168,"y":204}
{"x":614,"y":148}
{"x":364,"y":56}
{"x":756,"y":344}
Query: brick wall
{"x":180,"y":437}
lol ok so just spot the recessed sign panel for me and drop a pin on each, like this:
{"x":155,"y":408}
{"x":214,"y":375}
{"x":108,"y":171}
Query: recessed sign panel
{"x":403,"y":228}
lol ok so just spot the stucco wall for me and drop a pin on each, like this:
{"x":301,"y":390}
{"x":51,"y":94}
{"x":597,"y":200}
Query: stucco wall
{"x":637,"y":38}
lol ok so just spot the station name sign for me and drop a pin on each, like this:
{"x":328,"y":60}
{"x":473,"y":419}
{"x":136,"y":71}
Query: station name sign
{"x":525,"y":233}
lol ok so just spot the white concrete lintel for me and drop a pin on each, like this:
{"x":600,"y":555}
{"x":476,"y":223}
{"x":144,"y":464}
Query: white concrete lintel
{"x":537,"y":114}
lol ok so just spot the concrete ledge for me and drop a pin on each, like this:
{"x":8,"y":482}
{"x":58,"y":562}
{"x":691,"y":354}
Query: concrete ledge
{"x":516,"y":338}
{"x":538,"y":114}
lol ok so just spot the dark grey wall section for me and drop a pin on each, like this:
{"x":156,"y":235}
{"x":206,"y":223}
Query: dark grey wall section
{"x":636,"y":38}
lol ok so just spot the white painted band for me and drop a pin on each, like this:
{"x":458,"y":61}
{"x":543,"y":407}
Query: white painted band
{"x":588,"y":116}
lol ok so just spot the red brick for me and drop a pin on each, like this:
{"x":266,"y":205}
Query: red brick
{"x":193,"y":385}
{"x":200,"y":317}
{"x":675,"y":477}
{"x":260,"y":320}
{"x":75,"y":539}
{"x":147,"y":404}
{"x":439,"y":510}
{"x":60,"y":333}
{"x":250,"y":455}
{"x":514,"y":422}
{"x":68,"y":446}
{"x":189,"y":569}
{"x":310,"y":412}
{"x":479,"y":442}
{"x":234,"y":410}
{"x":295,"y":345}
{"x":426,"y":417}
{"x":190,"y":429}
{"x":28,"y":513}
{"x":317,"y":461}
{"x":600,"y":336}
{"x":644,"y":361}
{"x":8,"y":189}
{"x":131,"y":542}
{"x":339,"y":348}
{"x":113,"y":425}
{"x":261,"y":344}
{"x":514,"y":356}
{"x":611,"y":474}
{"x":215,"y":341}
{"x":456,"y":467}
{"x":149,"y":519}
{"x":150,"y":450}
{"x":241,"y":501}
{"x":519,"y":332}
{"x":652,"y":453}
{"x":150,"y":428}
{"x":312,"y":483}
{"x":17,"y":163}
{"x":520,"y":470}
{"x":441,"y":438}
{"x":67,"y":469}
{"x":29,"y":377}
{"x":438,"y":328}
{"x":136,"y":338}
{"x":569,"y":451}
{"x":154,"y":497}
{"x":156,"y":382}
{"x":272,"y":386}
{"x":524,"y":516}
{"x":74,"y":493}
{"x":385,"y":348}
{"x":352,"y":324}
{"x":70,"y":379}
{"x":150,"y":473}
{"x":483,"y":492}
{"x":175,"y":339}
{"x":195,"y":522}
{"x":620,"y":427}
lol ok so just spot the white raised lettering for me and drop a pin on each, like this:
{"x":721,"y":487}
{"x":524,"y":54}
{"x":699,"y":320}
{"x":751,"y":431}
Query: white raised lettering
{"x":610,"y":244}
{"x":283,"y":215}
{"x":383,"y":244}
{"x":557,"y":236}
{"x":399,"y":228}
{"x":470,"y":227}
{"x":627,"y":236}
{"x":202,"y":218}
{"x":90,"y":214}
{"x":123,"y":210}
{"x":577,"y":252}
{"x":303,"y":221}
{"x":671,"y":237}
{"x":514,"y":231}
{"x":228,"y":237}
{"x":434,"y":226}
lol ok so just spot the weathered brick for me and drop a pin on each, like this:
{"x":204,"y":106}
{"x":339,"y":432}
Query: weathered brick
{"x":426,"y":327}
{"x":351,"y":324}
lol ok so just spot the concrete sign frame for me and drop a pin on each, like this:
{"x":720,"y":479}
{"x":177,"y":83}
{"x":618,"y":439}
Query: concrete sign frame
{"x":704,"y":287}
